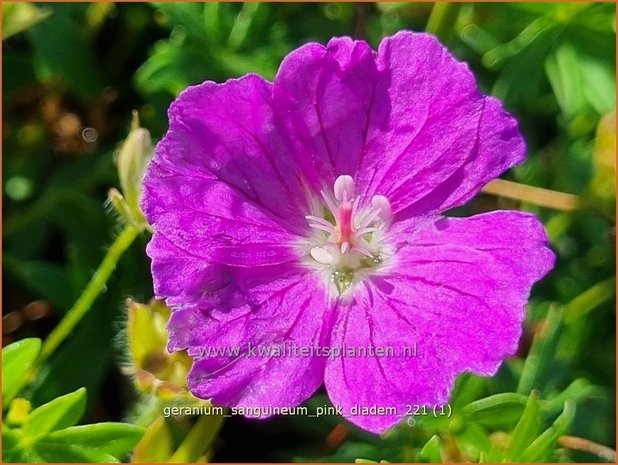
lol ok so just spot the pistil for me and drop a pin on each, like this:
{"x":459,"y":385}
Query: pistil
{"x":349,"y":233}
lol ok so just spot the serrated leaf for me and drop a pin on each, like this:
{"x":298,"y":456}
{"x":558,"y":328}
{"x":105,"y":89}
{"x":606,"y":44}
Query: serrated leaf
{"x":60,"y":413}
{"x":115,"y":439}
{"x":17,"y":358}
{"x":526,"y":429}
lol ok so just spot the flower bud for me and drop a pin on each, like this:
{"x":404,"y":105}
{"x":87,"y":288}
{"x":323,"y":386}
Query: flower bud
{"x":154,"y":370}
{"x":133,"y":158}
{"x":18,"y":411}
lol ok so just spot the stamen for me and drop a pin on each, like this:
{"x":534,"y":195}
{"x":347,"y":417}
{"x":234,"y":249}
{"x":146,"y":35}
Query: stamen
{"x":362,"y":249}
{"x":344,"y":188}
{"x":355,"y":206}
{"x":362,"y":231}
{"x":321,"y":227}
{"x":330,"y":204}
{"x":321,"y":221}
{"x":382,"y":204}
{"x":368,"y":218}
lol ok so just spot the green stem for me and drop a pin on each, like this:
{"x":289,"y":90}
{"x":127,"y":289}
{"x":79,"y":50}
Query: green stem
{"x":89,"y":295}
{"x":590,"y":299}
{"x":442,"y":19}
{"x":243,"y":23}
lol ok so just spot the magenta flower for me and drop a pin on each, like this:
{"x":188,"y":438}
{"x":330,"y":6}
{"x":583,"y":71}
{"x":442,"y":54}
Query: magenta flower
{"x":309,"y":212}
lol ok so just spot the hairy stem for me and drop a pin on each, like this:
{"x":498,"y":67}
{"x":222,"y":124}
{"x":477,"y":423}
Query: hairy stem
{"x":90,"y":293}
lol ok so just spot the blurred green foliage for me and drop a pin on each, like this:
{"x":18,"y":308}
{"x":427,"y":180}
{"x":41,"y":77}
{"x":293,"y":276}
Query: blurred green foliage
{"x":74,"y":71}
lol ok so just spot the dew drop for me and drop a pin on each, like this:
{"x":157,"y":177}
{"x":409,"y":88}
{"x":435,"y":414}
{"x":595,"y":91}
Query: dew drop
{"x":342,"y":278}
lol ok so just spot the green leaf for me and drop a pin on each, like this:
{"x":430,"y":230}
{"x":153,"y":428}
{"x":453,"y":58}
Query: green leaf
{"x":155,"y":445}
{"x":577,"y":391}
{"x":599,"y":84}
{"x":199,"y":439}
{"x":60,"y":453}
{"x":18,"y":455}
{"x":431,"y":450}
{"x":19,"y":16}
{"x":526,"y":429}
{"x":542,"y":448}
{"x":60,"y":413}
{"x":172,"y":67}
{"x":10,"y":438}
{"x":218,"y":21}
{"x":542,"y":354}
{"x":189,"y":15}
{"x":474,"y":440}
{"x":496,"y":410}
{"x":564,"y":71}
{"x":62,"y":50}
{"x":17,"y":358}
{"x":589,"y":300}
{"x":468,"y":388}
{"x":115,"y":439}
{"x":250,"y":14}
{"x":521,"y":81}
{"x":11,"y":452}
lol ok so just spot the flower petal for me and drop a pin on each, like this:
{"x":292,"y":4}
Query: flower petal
{"x":444,"y":140}
{"x":221,"y":184}
{"x":498,"y":146}
{"x":285,"y":307}
{"x":457,"y":289}
{"x":407,"y":122}
{"x":325,"y":95}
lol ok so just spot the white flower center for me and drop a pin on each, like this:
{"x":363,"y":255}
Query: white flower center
{"x":348,"y":237}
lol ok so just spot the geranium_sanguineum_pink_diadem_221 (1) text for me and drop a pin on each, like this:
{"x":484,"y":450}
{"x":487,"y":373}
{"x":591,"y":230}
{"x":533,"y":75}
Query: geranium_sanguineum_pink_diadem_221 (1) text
{"x":310,"y":211}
